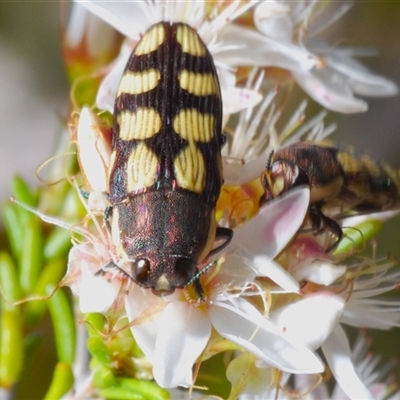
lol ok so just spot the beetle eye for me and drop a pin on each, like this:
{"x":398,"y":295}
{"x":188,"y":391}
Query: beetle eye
{"x":185,"y":270}
{"x":140,"y":270}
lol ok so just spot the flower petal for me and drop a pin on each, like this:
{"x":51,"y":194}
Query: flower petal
{"x":243,"y":46}
{"x":85,"y":27}
{"x":109,"y":86}
{"x":273,"y":20}
{"x":338,"y":355}
{"x":96,"y":293}
{"x":320,"y":272}
{"x":241,"y":323}
{"x":94,"y":150}
{"x":239,"y":172}
{"x":236,"y":99}
{"x":275,"y":225}
{"x":310,"y":320}
{"x":264,"y":266}
{"x":143,"y":308}
{"x":183,"y":334}
{"x":338,"y":98}
{"x":234,"y":272}
{"x":129,"y":18}
{"x":361,"y":80}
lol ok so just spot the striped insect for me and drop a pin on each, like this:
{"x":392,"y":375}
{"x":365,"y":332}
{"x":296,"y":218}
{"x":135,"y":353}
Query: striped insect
{"x":341,"y":183}
{"x":165,"y":170}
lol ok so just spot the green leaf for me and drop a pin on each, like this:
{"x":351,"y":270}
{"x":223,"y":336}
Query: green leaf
{"x":22,"y":191}
{"x":31,"y":257}
{"x":127,"y":389}
{"x":95,"y":324}
{"x":11,"y":348}
{"x":57,"y":244}
{"x":98,"y":349}
{"x":63,"y":379}
{"x":103,"y":377}
{"x":51,"y":275}
{"x":9,"y":282}
{"x":63,"y":325}
{"x":14,"y":229}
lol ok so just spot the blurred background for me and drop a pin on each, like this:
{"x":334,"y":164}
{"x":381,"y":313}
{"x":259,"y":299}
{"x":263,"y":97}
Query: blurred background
{"x":34,"y":90}
{"x":34,"y":96}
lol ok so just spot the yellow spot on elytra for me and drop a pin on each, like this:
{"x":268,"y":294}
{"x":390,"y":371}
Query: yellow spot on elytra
{"x":141,"y":168}
{"x":151,"y":40}
{"x":139,"y":82}
{"x":198,"y":83}
{"x":142,"y":124}
{"x":192,"y":125}
{"x":190,"y":41}
{"x":190,"y":170}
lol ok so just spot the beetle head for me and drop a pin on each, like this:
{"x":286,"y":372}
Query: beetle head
{"x":163,"y":275}
{"x":281,"y":176}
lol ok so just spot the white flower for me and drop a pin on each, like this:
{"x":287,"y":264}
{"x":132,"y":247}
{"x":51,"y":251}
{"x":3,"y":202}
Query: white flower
{"x":174,"y":347}
{"x":337,"y":77}
{"x":85,"y":27}
{"x":360,"y":362}
{"x":175,"y":337}
{"x":133,"y":19}
{"x":310,"y":320}
{"x":364,"y":308}
{"x":94,"y":151}
{"x":98,"y":278}
{"x":276,"y":317}
{"x":375,"y":379}
{"x":96,"y":291}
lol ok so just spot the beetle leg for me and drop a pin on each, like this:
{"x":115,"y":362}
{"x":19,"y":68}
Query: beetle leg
{"x":111,"y":265}
{"x":320,"y":221}
{"x":107,"y":214}
{"x":222,"y":233}
{"x":316,"y":218}
{"x":333,"y":227}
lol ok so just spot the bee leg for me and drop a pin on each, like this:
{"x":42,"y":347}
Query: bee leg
{"x":222,"y":234}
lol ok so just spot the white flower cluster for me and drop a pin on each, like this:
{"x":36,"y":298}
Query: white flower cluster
{"x":256,"y":298}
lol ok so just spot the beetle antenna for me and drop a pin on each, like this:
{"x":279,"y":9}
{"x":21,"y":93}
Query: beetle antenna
{"x":196,"y":282}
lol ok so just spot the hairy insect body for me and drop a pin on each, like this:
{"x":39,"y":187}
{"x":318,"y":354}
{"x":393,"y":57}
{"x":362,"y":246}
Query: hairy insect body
{"x":340,"y":182}
{"x":166,"y":170}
